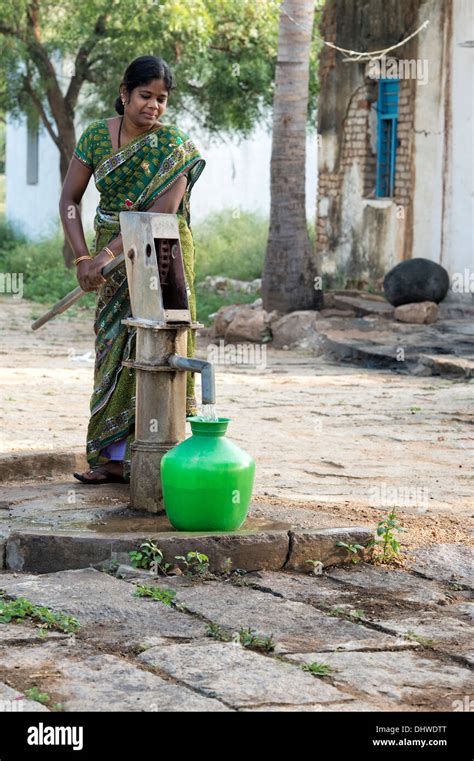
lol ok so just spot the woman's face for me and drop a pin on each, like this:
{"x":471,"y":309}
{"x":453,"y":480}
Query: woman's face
{"x":146,"y":104}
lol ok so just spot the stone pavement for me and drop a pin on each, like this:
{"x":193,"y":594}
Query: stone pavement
{"x":394,"y":639}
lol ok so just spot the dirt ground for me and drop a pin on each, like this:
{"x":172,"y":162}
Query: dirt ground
{"x":342,"y":443}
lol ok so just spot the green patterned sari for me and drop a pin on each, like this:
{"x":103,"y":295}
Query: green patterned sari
{"x":130,"y":179}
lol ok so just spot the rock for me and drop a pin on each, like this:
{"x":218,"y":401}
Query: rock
{"x":239,"y":677}
{"x":452,"y":563}
{"x":422,"y":312}
{"x":373,"y":580}
{"x":337,"y":313}
{"x":84,"y":681}
{"x":321,"y":545}
{"x":364,"y":305}
{"x":416,"y":280}
{"x":13,"y":701}
{"x":221,"y":283}
{"x":45,"y":553}
{"x":224,"y":317}
{"x":443,"y":631}
{"x":92,"y":597}
{"x":249,"y":324}
{"x":294,"y":626}
{"x":293,"y":328}
{"x":404,"y":678}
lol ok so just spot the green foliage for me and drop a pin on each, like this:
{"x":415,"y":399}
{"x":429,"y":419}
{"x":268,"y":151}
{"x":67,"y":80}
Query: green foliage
{"x":149,"y":556}
{"x":34,"y":694}
{"x":45,"y":278}
{"x":216,"y":632}
{"x":356,"y":614}
{"x":195,"y":563}
{"x":386,"y":548}
{"x":231,"y":245}
{"x":317,"y":669}
{"x":250,"y":639}
{"x":352,"y":549}
{"x":222,"y":53}
{"x":165,"y":596}
{"x":423,"y":641}
{"x":208,"y":302}
{"x":21,"y":609}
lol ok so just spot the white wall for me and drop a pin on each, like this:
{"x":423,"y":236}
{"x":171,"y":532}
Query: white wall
{"x":457,"y":251}
{"x":428,"y":138}
{"x":237,"y":175}
{"x":443,"y":142}
{"x":34,"y":208}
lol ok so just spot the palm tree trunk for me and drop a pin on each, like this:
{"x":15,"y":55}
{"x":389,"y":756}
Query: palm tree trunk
{"x":290,"y":270}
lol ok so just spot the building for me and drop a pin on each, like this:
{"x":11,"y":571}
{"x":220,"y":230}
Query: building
{"x":396,"y":139}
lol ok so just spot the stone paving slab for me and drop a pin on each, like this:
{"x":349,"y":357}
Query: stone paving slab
{"x":260,"y":547}
{"x":399,"y":584}
{"x":24,"y":632}
{"x":452,"y":563}
{"x":105,"y":606}
{"x":240,"y":678}
{"x":14,"y":701}
{"x":406,"y":678}
{"x":294,"y":626}
{"x":366,"y":587}
{"x":321,"y":545}
{"x":448,"y":634}
{"x":84,"y":681}
{"x":44,"y":552}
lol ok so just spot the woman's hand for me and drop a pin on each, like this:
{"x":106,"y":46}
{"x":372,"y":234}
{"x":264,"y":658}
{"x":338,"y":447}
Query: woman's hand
{"x":88,"y":272}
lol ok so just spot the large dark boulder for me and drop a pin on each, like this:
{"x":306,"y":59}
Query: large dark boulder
{"x":416,"y":280}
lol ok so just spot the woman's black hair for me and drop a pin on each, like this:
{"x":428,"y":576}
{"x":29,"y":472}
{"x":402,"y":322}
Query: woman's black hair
{"x":141,"y":71}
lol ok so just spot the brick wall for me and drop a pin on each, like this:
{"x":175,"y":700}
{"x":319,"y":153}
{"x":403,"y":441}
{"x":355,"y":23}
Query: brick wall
{"x":356,"y":146}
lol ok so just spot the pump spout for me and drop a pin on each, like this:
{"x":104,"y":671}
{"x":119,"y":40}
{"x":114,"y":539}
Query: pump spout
{"x":208,"y":385}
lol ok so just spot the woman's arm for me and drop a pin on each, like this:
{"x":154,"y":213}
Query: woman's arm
{"x":75,"y":184}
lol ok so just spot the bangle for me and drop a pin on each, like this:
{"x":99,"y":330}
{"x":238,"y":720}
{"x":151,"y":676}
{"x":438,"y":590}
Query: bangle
{"x":111,"y":253}
{"x":81,"y":259}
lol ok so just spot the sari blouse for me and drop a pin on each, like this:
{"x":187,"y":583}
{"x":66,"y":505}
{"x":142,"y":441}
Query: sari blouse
{"x":130,"y":178}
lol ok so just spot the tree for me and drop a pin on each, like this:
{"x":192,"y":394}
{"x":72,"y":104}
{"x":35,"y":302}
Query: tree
{"x":221,"y":51}
{"x":289,"y":271}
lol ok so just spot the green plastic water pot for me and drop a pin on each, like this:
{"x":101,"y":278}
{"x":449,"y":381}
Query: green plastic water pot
{"x":207,"y":480}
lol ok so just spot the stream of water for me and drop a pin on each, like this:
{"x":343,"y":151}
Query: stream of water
{"x":209,"y":413}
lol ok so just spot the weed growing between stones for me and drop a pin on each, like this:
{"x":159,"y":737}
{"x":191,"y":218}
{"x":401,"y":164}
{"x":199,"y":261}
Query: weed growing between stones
{"x":21,"y":609}
{"x":357,"y":614}
{"x":156,"y":593}
{"x":40,"y":697}
{"x":250,"y":639}
{"x":317,"y":669}
{"x":352,"y":550}
{"x":195,"y":563}
{"x":33,"y":693}
{"x":386,"y":548}
{"x":217,"y":632}
{"x":149,"y":556}
{"x":423,"y":641}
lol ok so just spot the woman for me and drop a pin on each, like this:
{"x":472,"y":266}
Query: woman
{"x":139,"y":164}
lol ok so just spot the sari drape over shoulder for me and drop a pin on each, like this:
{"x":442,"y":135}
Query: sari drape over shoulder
{"x":130,"y":179}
